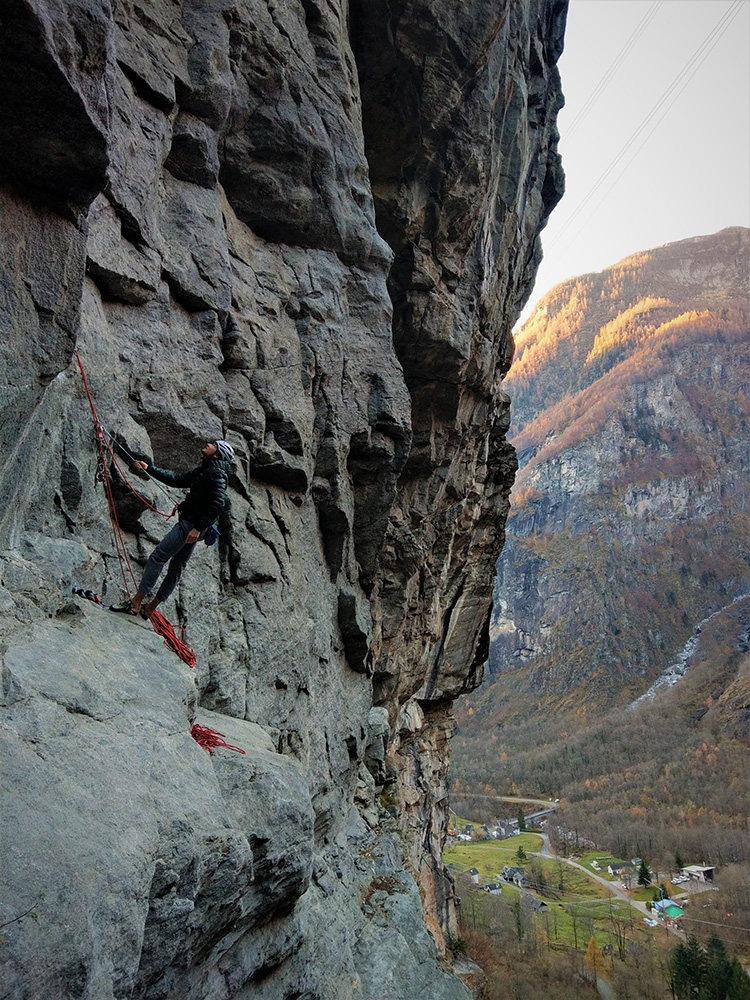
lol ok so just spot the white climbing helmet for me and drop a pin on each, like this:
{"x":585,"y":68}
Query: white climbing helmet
{"x":226,"y":451}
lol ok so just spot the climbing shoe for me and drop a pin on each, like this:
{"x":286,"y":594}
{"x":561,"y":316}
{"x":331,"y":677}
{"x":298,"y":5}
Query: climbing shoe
{"x":125,"y":607}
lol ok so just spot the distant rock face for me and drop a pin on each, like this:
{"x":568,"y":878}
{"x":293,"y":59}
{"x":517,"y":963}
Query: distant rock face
{"x":307,"y":228}
{"x":630,"y":509}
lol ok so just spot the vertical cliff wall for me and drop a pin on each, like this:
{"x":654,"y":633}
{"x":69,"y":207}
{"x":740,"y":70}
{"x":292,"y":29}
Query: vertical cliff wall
{"x":306,"y":227}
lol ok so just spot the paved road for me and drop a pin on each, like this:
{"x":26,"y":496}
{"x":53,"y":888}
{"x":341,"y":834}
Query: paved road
{"x":605,"y":989}
{"x":613,"y":887}
{"x":504,"y":798}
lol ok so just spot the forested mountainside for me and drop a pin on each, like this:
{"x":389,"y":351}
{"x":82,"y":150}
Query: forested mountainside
{"x":630,"y":514}
{"x":627,"y":565}
{"x":584,"y":327}
{"x":306,"y":227}
{"x":664,"y":773}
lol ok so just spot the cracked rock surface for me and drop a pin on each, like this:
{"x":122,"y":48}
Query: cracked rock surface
{"x":306,"y":227}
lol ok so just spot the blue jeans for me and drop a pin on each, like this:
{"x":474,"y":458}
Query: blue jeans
{"x":171,"y":549}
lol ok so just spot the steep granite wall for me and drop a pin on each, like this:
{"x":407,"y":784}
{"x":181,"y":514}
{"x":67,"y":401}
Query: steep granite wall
{"x":306,"y":227}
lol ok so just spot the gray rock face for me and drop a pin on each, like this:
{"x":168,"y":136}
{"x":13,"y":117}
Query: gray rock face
{"x":307,"y":228}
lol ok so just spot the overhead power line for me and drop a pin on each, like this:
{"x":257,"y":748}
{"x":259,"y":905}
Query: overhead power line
{"x":613,"y":67}
{"x":678,"y":84}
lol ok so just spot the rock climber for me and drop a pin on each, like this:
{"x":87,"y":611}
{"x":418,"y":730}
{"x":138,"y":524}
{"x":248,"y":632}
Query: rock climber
{"x":206,"y":499}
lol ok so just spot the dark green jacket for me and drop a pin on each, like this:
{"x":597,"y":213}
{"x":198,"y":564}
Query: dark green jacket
{"x":208,"y":490}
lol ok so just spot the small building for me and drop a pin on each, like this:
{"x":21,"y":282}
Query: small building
{"x":515,"y":875}
{"x":700,"y":873}
{"x":668,"y":911}
{"x":474,"y":874}
{"x":534,"y":904}
{"x":506,"y":830}
{"x":493,"y":889}
{"x":620,"y":868}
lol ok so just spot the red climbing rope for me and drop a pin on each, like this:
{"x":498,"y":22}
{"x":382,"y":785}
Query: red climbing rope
{"x":103,"y":441}
{"x":209,"y":739}
{"x":119,"y":541}
{"x":161,"y":625}
{"x":130,"y":486}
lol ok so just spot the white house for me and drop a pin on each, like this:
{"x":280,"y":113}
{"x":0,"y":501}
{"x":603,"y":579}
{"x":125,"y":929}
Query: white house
{"x":701,"y":873}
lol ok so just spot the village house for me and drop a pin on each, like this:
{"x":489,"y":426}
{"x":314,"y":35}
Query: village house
{"x":699,"y":873}
{"x":516,"y":875}
{"x":506,"y":829}
{"x":618,"y":869}
{"x":668,"y":911}
{"x":533,"y":904}
{"x":493,"y":889}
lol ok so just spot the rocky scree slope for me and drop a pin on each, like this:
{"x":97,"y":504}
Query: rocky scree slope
{"x":629,"y":519}
{"x":306,"y":227}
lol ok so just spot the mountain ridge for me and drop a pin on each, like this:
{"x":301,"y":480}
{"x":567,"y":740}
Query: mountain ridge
{"x":630,"y":507}
{"x":695,"y":274}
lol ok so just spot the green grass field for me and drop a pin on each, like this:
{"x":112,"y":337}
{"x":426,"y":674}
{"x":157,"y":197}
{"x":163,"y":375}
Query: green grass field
{"x":575,"y":884}
{"x":489,"y":857}
{"x":577,"y":922}
{"x":564,"y":924}
{"x":603,"y":859}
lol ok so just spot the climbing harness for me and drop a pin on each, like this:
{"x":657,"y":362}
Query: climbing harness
{"x":209,"y":739}
{"x":161,"y":625}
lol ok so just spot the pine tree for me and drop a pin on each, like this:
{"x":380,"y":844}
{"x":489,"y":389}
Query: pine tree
{"x":644,"y":875}
{"x":521,"y":821}
{"x":678,"y":862}
{"x":679,"y":972}
{"x":718,"y":970}
{"x":687,"y":966}
{"x":739,"y":983}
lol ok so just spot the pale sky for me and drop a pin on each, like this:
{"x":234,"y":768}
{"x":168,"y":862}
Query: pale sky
{"x":692,"y":175}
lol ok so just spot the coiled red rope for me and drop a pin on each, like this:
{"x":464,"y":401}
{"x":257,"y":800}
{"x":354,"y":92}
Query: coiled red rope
{"x":209,"y":739}
{"x":161,"y":625}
